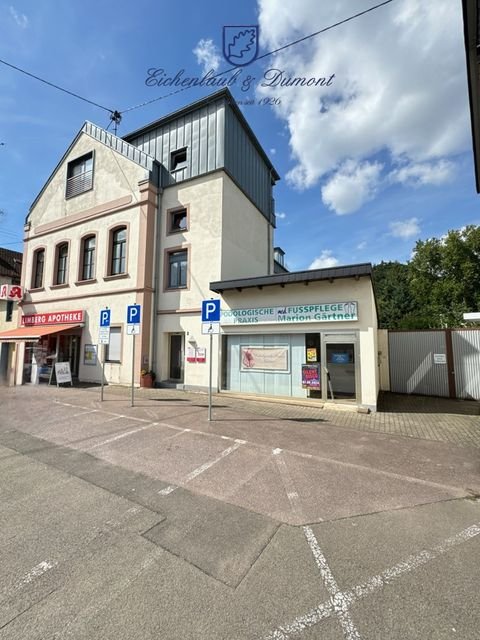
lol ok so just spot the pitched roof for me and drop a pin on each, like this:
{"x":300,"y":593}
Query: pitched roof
{"x":10,"y":263}
{"x":113,"y":142}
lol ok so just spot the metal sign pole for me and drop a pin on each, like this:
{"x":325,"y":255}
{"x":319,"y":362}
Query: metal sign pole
{"x":210,"y":379}
{"x":133,"y":371}
{"x":103,"y":372}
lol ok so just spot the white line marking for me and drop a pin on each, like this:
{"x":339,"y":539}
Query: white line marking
{"x":199,"y":470}
{"x":288,"y":484}
{"x":120,"y":436}
{"x":36,"y":572}
{"x":458,"y":491}
{"x":84,"y":413}
{"x":339,"y":602}
{"x":112,"y":419}
{"x":414,"y":561}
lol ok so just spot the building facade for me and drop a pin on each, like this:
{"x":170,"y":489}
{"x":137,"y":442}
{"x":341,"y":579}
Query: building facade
{"x":172,"y":214}
{"x":10,"y":274}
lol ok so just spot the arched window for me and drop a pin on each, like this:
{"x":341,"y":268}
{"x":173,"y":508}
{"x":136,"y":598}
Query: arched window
{"x":118,"y":251}
{"x":62,"y":261}
{"x":88,"y":258}
{"x":38,"y":265}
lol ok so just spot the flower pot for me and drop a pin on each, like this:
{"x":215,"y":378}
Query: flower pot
{"x":146,"y":381}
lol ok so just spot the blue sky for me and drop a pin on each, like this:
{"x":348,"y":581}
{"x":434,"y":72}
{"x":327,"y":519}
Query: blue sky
{"x":369,"y":165}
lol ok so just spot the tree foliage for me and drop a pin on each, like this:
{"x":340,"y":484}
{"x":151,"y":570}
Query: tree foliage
{"x":436,"y":287}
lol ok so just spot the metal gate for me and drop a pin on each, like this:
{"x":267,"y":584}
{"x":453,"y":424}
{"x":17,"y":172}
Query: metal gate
{"x":413,"y":357}
{"x":442,"y":363}
{"x":466,"y":363}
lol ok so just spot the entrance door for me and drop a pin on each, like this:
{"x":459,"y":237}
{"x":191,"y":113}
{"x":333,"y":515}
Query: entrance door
{"x":340,"y":369}
{"x":176,"y":356}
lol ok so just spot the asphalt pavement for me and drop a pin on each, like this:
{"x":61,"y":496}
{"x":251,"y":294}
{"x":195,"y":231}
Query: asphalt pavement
{"x":151,"y":522}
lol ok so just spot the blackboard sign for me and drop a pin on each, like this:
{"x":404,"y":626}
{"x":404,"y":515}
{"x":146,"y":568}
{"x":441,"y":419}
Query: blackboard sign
{"x":311,"y":376}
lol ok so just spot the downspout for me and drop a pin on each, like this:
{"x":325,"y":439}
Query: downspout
{"x":156,"y":263}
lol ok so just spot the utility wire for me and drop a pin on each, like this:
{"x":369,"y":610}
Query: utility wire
{"x":270,"y":53}
{"x":55,"y":86}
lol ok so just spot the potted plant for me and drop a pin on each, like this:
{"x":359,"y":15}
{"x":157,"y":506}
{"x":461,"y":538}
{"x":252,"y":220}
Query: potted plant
{"x":147,"y":378}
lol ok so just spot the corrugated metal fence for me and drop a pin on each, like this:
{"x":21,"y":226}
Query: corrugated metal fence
{"x":435,"y":363}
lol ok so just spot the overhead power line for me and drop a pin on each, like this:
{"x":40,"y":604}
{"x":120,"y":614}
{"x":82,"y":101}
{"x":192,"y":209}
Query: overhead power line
{"x":55,"y":86}
{"x":115,"y":116}
{"x":270,"y":53}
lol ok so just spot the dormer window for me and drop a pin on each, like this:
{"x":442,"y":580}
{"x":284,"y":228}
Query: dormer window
{"x":79,"y":175}
{"x":178,"y":159}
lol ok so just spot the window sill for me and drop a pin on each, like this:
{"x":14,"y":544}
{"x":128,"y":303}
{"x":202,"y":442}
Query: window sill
{"x":173,"y":232}
{"x":37,"y":290}
{"x":175,"y":289}
{"x":117,"y":276}
{"x":113,"y":362}
{"x":82,"y":282}
{"x":60,"y":286}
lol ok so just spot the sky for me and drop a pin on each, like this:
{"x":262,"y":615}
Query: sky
{"x":372,"y":159}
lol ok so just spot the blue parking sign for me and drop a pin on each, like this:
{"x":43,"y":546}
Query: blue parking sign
{"x":133,"y":314}
{"x":211,"y":311}
{"x":105,"y":318}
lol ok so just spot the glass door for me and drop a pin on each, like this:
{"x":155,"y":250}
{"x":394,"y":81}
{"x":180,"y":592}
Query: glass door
{"x":340,"y":370}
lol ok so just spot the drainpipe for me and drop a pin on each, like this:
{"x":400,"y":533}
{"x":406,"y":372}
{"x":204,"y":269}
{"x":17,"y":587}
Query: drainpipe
{"x":156,"y":267}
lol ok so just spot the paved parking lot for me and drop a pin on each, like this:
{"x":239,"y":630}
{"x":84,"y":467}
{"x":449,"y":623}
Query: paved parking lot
{"x":151,"y":522}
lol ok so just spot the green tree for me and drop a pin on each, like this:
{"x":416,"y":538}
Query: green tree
{"x":394,"y":300}
{"x":444,"y":278}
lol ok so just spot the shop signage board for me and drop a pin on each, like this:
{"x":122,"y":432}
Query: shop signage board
{"x":325,"y":312}
{"x":11,"y":292}
{"x":310,"y":376}
{"x":63,"y":373}
{"x":54,"y":317}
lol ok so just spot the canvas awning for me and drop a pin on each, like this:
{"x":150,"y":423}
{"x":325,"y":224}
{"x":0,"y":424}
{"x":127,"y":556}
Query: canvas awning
{"x":32,"y":334}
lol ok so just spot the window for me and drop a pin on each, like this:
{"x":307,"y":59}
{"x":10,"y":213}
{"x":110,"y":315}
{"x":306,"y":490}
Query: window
{"x":79,"y":175}
{"x":113,"y":350}
{"x":178,"y":159}
{"x":118,"y":251}
{"x":88,"y":258}
{"x":177,"y":269}
{"x":62,"y":258}
{"x":9,"y":314}
{"x":177,"y":221}
{"x":38,"y":264}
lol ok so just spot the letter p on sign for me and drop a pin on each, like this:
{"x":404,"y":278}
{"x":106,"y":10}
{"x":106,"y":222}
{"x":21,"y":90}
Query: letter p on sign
{"x":211,"y":311}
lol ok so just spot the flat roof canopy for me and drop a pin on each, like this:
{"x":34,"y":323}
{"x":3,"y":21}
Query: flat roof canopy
{"x":32,"y":334}
{"x":294,"y":277}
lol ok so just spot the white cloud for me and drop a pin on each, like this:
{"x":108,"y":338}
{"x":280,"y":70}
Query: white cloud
{"x":207,"y":55}
{"x":20,"y":18}
{"x":281,"y":216}
{"x":405,"y":229}
{"x":324,"y":260}
{"x":351,"y":186}
{"x":427,"y":173}
{"x":362,"y":245}
{"x":392,"y":93}
{"x":273,"y":151}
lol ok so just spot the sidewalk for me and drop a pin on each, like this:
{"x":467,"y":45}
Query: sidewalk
{"x":438,"y":419}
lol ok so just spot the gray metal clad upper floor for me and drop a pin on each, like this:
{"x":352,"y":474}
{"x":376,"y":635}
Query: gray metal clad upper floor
{"x":215,"y":135}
